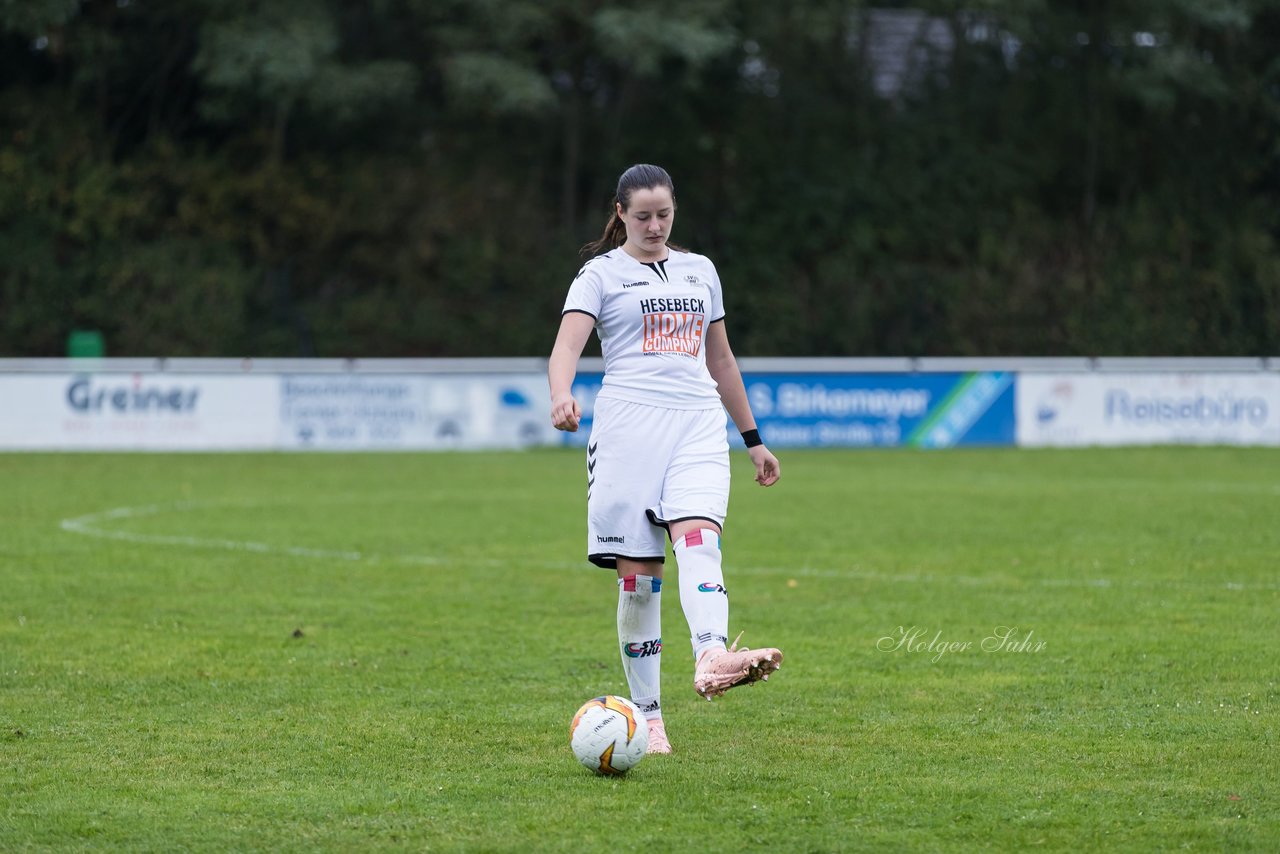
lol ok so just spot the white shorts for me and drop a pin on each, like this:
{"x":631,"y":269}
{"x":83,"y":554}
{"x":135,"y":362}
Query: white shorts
{"x":648,"y":467}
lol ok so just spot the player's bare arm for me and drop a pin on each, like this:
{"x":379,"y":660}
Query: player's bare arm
{"x":723,"y":367}
{"x":562,"y":367}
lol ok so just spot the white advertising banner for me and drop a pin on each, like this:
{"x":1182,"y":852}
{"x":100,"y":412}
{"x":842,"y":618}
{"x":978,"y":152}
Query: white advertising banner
{"x":152,"y":412}
{"x":159,"y":411}
{"x":1148,"y":409}
{"x":389,"y":412}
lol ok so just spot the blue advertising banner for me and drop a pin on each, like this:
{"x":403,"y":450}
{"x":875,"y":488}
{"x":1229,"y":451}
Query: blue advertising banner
{"x":933,"y":410}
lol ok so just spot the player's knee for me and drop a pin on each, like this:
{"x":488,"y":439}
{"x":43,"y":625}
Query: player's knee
{"x":705,"y":537}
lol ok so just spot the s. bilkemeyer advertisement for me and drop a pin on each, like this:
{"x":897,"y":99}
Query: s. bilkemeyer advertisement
{"x":926,"y":410}
{"x":1146,"y":409}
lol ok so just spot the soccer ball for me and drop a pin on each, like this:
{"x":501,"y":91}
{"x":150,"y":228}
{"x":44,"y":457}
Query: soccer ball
{"x":609,"y":735}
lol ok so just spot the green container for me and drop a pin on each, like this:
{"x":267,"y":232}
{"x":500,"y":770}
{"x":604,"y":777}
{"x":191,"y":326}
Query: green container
{"x":86,"y":344}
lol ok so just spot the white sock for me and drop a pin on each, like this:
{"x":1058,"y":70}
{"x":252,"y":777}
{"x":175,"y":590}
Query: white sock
{"x":702,"y":593}
{"x":640,"y":640}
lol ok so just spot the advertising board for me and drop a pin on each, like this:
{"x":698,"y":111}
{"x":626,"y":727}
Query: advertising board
{"x":412,"y":412}
{"x":926,"y":410}
{"x":139,"y":411}
{"x":1071,"y":409}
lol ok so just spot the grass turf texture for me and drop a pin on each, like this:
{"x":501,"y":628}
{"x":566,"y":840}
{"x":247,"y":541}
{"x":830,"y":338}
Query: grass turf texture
{"x":353,"y":652}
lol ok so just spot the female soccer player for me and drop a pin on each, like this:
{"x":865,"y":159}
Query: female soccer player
{"x":658,"y":455}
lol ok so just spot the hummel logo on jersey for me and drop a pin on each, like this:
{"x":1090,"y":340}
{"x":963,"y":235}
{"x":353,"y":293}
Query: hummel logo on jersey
{"x":619,"y":540}
{"x":643,"y":650}
{"x":635,"y":284}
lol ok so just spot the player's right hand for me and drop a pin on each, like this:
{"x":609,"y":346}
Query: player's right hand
{"x":565,"y":413}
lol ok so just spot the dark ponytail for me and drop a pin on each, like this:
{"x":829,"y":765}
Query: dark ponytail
{"x":642,"y":176}
{"x":615,"y":234}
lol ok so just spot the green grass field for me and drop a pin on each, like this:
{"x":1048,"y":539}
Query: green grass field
{"x":352,"y":652}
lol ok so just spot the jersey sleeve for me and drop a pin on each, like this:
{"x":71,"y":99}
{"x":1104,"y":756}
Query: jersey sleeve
{"x":717,"y":295}
{"x":586,"y":294}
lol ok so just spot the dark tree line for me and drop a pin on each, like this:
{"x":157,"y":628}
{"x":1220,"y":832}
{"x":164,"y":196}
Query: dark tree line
{"x":415,"y":177}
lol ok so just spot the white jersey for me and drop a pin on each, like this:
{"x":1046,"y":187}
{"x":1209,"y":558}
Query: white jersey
{"x":652,"y":320}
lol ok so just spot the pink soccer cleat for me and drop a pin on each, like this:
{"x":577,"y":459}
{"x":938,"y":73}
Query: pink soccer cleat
{"x":658,"y":737}
{"x":718,"y":670}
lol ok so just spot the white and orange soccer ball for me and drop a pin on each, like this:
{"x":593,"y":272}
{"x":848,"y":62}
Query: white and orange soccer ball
{"x":609,"y":735}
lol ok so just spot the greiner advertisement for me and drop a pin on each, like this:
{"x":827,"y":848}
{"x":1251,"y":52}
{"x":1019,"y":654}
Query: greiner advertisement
{"x":161,"y":412}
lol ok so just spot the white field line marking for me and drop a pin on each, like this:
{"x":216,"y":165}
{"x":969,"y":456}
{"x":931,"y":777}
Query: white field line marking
{"x":857,"y":574}
{"x":89,"y":526}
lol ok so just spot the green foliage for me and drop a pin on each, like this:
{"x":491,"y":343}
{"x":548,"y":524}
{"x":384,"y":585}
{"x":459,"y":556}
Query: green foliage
{"x":283,"y":56}
{"x":415,"y":178}
{"x":491,"y":83}
{"x":34,"y":17}
{"x":692,"y":34}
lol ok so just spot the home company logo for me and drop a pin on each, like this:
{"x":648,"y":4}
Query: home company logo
{"x":673,"y":325}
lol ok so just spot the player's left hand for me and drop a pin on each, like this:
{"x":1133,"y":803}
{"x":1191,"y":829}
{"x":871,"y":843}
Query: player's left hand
{"x":767,"y":468}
